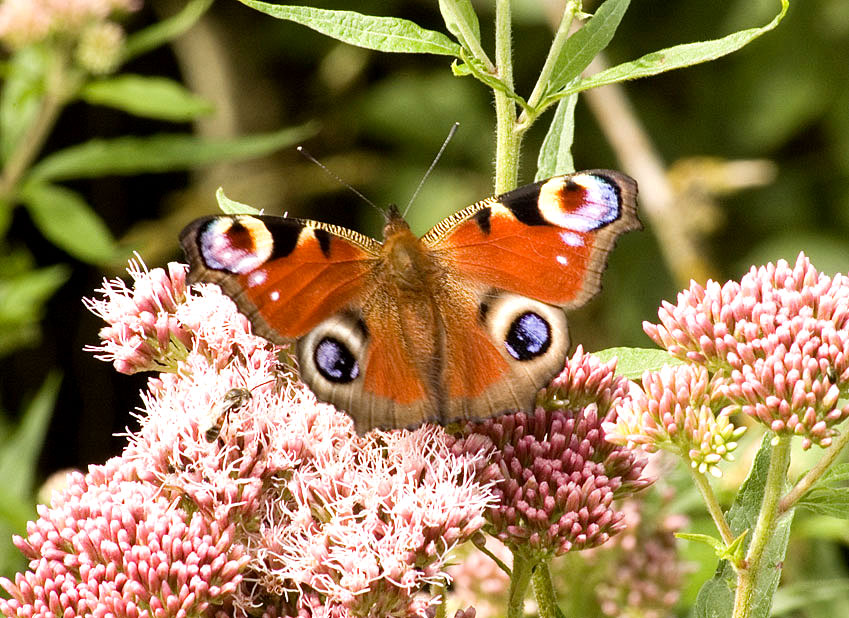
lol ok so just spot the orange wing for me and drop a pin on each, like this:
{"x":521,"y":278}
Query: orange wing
{"x":287,"y":275}
{"x":547,"y":241}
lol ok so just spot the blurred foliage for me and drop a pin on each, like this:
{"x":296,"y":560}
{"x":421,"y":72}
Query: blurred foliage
{"x":382,"y":117}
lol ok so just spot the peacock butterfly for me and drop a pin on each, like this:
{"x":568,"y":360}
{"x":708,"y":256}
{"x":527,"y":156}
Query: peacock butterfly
{"x":465,"y":322}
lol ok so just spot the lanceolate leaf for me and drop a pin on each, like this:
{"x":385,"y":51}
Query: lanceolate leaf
{"x":586,"y":43}
{"x":159,"y":153}
{"x":166,"y":30}
{"x":461,"y":20}
{"x":386,"y":34}
{"x":555,"y":156}
{"x":65,"y":219}
{"x":672,"y":58}
{"x":232,"y":207}
{"x":632,"y":362}
{"x":21,"y":95}
{"x":150,"y":97}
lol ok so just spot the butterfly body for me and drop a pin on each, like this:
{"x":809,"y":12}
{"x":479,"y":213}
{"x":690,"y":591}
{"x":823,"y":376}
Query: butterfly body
{"x":463,"y":323}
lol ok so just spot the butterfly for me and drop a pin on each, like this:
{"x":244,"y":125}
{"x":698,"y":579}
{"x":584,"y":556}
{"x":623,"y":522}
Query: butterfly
{"x":466,"y":322}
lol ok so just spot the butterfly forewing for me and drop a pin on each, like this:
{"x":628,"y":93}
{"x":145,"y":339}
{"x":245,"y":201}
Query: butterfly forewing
{"x":286,"y":275}
{"x":547,"y":241}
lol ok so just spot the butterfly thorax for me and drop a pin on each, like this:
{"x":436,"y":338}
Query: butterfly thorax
{"x":408,"y":264}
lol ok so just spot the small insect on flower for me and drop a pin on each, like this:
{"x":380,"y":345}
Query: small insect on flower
{"x":234,"y":399}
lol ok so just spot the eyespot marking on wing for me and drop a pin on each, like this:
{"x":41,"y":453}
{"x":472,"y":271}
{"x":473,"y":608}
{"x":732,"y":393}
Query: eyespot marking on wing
{"x":236,"y":245}
{"x":583,"y":202}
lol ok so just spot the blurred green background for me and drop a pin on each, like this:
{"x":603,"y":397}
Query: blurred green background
{"x":781,"y":105}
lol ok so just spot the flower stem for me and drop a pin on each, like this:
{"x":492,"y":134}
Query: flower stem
{"x":522,"y":570}
{"x":747,"y":576}
{"x":560,"y":37}
{"x":713,"y":506}
{"x":508,"y":141}
{"x":815,"y":473}
{"x":59,"y":89}
{"x":544,"y":591}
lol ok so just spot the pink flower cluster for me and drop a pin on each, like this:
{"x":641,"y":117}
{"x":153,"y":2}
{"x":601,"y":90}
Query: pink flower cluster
{"x":556,"y":476}
{"x":674,"y":410}
{"x":777,"y":341}
{"x":283,"y":510}
{"x":112,"y":546}
{"x":23,"y":22}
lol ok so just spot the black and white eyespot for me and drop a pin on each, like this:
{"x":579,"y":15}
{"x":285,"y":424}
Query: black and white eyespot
{"x":600,"y":202}
{"x":527,"y":330}
{"x":331,"y":355}
{"x":235,"y":245}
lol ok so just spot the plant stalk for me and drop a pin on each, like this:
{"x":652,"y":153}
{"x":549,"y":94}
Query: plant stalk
{"x":522,"y":570}
{"x":508,"y":140}
{"x":713,"y":506}
{"x":544,"y":591}
{"x":747,"y":576}
{"x":526,"y":119}
{"x":815,"y":473}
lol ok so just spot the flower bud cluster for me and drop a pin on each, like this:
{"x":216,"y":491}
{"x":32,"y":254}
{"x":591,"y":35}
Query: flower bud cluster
{"x":556,"y":476}
{"x":673,"y":410}
{"x":777,"y":343}
{"x":143,"y":332}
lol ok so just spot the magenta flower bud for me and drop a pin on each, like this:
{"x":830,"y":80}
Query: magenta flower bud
{"x":557,"y":476}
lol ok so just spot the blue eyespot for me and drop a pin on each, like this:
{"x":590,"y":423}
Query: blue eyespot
{"x":529,"y":337}
{"x":335,"y":361}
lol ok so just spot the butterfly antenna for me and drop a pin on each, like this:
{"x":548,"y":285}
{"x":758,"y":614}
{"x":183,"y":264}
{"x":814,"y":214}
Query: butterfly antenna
{"x":335,"y":177}
{"x":432,"y":165}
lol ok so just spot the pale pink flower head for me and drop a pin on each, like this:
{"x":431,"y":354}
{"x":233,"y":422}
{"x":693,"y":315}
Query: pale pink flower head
{"x":282,"y":510}
{"x":24,"y":22}
{"x":675,"y":410}
{"x":143,"y":332}
{"x":778,"y":340}
{"x":556,"y":476}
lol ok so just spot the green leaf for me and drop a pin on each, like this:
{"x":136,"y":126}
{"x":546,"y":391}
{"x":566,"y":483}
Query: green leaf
{"x":159,"y":153}
{"x":20,"y":98}
{"x":19,"y":453}
{"x":716,"y":597}
{"x":675,"y":57}
{"x":149,"y":97}
{"x":386,"y":34}
{"x":733,"y":552}
{"x":461,"y":21}
{"x":555,"y":156}
{"x":232,"y":207}
{"x":830,"y":494}
{"x":166,"y":30}
{"x":799,"y":596}
{"x":586,"y":43}
{"x":67,"y":221}
{"x":632,"y":362}
{"x":22,"y":297}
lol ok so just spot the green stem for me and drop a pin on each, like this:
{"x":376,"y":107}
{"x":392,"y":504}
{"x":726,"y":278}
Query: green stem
{"x":440,"y":609}
{"x":747,"y":576}
{"x":522,"y":570}
{"x":507,"y":140}
{"x":526,"y":119}
{"x":59,"y":87}
{"x":713,"y":506}
{"x":815,"y":473}
{"x":544,"y":591}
